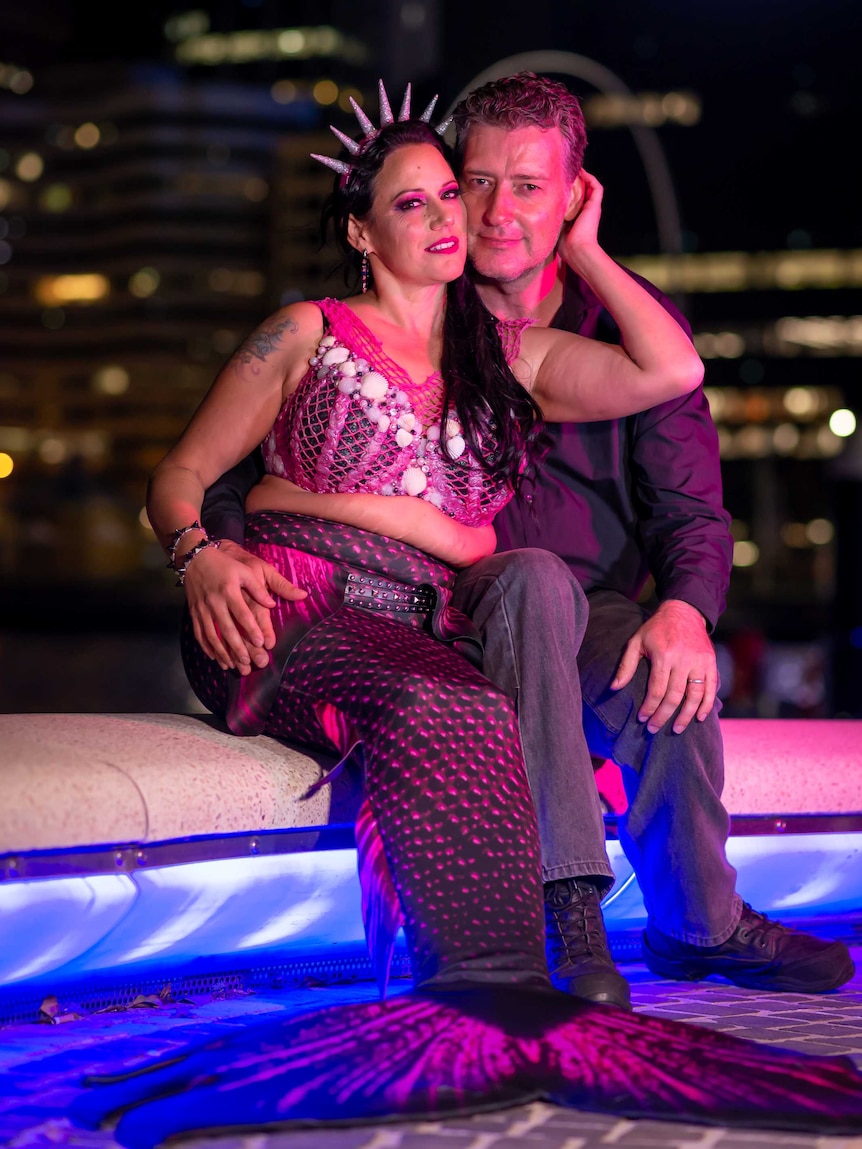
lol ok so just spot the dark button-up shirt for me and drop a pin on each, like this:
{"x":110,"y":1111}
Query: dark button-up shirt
{"x":627,"y":498}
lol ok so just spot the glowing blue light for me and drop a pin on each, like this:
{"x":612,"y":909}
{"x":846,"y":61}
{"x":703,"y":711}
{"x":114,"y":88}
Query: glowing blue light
{"x":306,"y":907}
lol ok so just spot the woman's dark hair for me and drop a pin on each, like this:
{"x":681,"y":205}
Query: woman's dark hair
{"x":501,"y":422}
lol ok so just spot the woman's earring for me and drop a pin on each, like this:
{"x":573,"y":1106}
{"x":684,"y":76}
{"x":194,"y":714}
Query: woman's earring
{"x":365,"y":271}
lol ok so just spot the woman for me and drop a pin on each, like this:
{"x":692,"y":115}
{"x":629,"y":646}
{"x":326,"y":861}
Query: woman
{"x":395,"y":425}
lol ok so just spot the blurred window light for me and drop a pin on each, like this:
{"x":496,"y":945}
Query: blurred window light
{"x":828,"y":443}
{"x":87,"y":287}
{"x":7,"y":465}
{"x":325,"y":92}
{"x":16,"y":439}
{"x":794,"y":535}
{"x":5,"y":194}
{"x":801,"y":402}
{"x":144,"y":283}
{"x":726,"y":446}
{"x":728,"y":271}
{"x":93,"y":444}
{"x":291,"y":41}
{"x":209,"y":48}
{"x":87,"y":135}
{"x":745,"y":553}
{"x":144,"y":519}
{"x":255,"y":189}
{"x":785,"y":438}
{"x":53,"y":451}
{"x":825,"y":333}
{"x":719,"y":344}
{"x":327,"y":40}
{"x":19,"y":81}
{"x":820,"y":532}
{"x":56,"y":198}
{"x":250,"y":45}
{"x":753,"y":442}
{"x":757,"y":407}
{"x":29,"y":167}
{"x":652,"y":109}
{"x":284,"y":91}
{"x":842,"y":423}
{"x":715,"y":399}
{"x":111,"y":380}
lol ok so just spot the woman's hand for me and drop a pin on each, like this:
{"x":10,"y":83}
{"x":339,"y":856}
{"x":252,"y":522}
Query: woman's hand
{"x":230,"y":596}
{"x":583,"y":232}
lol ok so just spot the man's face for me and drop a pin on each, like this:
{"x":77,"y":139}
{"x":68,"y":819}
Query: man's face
{"x":518,"y":197}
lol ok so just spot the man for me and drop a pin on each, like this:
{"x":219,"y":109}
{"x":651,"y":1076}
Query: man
{"x":616,"y":501}
{"x":619,"y":501}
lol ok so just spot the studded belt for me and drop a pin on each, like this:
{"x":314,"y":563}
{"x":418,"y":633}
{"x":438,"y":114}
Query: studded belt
{"x":380,"y":594}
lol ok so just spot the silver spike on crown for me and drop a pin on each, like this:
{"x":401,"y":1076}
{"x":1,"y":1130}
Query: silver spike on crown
{"x":404,"y":114}
{"x":344,"y":167}
{"x":429,"y":111}
{"x":367,"y":127}
{"x":341,"y":166}
{"x":351,"y":145}
{"x":386,"y":116}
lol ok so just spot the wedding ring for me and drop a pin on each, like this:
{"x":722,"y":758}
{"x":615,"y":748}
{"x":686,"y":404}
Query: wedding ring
{"x":698,"y":681}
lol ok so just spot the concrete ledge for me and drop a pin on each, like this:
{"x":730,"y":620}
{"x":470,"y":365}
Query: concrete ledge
{"x":69,"y":781}
{"x":792,"y":766}
{"x":72,"y":780}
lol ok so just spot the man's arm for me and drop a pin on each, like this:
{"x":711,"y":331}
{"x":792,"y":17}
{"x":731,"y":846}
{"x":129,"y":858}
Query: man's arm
{"x":684,"y":528}
{"x":223,"y":510}
{"x":684,"y":534}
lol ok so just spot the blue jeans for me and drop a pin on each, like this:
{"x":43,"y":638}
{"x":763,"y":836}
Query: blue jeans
{"x":541,"y":650}
{"x":532,"y":615}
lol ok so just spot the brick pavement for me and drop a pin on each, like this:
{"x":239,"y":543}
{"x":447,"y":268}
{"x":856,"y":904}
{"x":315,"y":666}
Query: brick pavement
{"x":41,"y":1065}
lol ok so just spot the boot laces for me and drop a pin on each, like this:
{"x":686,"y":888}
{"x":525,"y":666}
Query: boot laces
{"x":757,"y":925}
{"x":576,"y":911}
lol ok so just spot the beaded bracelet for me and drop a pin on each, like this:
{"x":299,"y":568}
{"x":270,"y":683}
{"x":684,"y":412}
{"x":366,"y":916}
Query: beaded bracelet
{"x":192,"y":553}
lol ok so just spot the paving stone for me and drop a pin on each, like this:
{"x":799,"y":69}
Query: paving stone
{"x":44,"y":1064}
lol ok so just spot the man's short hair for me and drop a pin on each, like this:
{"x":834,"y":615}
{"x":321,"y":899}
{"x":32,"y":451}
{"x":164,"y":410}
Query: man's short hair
{"x":521,"y":101}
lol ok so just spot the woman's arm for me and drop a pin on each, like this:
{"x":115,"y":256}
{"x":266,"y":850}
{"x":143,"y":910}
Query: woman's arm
{"x":572,"y":378}
{"x":223,"y":585}
{"x":404,"y":517}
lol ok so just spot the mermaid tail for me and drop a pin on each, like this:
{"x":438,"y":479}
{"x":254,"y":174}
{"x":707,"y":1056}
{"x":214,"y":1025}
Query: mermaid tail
{"x":458,"y":1052}
{"x":382,"y":915}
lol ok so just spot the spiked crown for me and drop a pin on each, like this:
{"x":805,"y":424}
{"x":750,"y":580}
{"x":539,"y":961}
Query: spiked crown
{"x":355,"y":147}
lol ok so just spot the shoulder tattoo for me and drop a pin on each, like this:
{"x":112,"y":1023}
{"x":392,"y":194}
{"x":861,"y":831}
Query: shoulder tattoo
{"x":262,"y":342}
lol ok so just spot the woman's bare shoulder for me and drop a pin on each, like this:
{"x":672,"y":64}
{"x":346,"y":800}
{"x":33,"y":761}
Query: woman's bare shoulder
{"x":290,"y":329}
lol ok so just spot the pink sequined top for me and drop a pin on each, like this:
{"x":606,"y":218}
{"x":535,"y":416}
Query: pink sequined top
{"x":358,"y":423}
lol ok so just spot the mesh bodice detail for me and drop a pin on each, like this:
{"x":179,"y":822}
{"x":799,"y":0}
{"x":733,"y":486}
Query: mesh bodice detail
{"x":358,"y":423}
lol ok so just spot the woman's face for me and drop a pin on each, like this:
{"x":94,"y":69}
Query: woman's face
{"x":416,"y":229}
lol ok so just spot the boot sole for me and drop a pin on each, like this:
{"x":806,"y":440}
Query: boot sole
{"x":594,"y":989}
{"x":773,"y":982}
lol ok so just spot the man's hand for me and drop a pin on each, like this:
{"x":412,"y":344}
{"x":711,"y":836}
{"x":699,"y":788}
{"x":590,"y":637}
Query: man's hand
{"x":230,"y":596}
{"x":682,"y":666}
